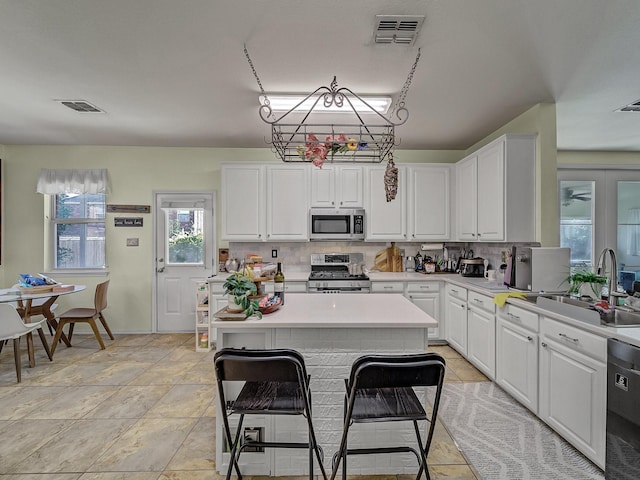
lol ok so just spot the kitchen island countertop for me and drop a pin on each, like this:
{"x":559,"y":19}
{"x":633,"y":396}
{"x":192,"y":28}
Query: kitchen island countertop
{"x":343,"y":310}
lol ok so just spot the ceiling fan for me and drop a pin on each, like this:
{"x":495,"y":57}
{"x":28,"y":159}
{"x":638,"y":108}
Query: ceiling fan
{"x":568,"y":196}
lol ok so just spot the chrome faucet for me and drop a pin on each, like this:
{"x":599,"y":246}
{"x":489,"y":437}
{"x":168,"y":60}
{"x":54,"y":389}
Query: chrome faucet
{"x":612,"y":279}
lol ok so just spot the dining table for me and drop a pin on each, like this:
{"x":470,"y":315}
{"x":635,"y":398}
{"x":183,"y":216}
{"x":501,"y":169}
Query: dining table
{"x":44,"y":299}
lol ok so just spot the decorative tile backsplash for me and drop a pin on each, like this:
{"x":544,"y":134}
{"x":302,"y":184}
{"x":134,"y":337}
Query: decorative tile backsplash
{"x":296,"y":256}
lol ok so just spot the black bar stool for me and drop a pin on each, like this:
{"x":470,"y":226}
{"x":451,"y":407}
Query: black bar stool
{"x":276,"y":383}
{"x":379,"y":389}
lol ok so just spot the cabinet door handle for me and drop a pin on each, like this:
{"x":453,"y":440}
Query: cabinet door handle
{"x":529,"y":338}
{"x":567,"y":337}
{"x":544,"y":344}
{"x":515,"y":317}
{"x":386,"y":287}
{"x":479,"y":234}
{"x":454,"y":291}
{"x":477,"y":300}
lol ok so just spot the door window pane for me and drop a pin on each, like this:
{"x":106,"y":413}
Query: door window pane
{"x":185,"y":236}
{"x":576,"y":220}
{"x":628,"y":248}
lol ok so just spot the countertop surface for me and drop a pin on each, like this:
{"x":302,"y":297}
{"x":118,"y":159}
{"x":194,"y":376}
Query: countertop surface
{"x":342,"y":310}
{"x":626,"y":334}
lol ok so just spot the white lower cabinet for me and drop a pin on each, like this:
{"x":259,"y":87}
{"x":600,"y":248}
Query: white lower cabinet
{"x":456,"y":323}
{"x":481,"y":333}
{"x":573,"y":386}
{"x":517,"y":354}
{"x":426,"y":296}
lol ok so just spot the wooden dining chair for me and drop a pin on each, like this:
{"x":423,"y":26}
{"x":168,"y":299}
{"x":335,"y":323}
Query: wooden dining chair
{"x":13,"y":328}
{"x":85,"y":315}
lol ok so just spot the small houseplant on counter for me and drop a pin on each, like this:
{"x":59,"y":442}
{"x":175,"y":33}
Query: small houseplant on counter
{"x":240,"y":288}
{"x":584,"y":277}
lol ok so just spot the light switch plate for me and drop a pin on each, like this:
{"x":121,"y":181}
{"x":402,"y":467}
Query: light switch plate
{"x":133,"y":242}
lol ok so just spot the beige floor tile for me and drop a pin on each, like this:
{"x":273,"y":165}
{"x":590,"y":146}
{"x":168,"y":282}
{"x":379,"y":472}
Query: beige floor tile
{"x":465,"y":371}
{"x":445,"y":350}
{"x":19,"y":439}
{"x":144,"y":354}
{"x":147,"y":446}
{"x":443,"y":450}
{"x":452,"y":472}
{"x":73,"y":402}
{"x":18,"y":402}
{"x":130,"y":402}
{"x":43,"y":476}
{"x":196,"y":453}
{"x":183,"y":401}
{"x":121,"y":476}
{"x":133,"y":340}
{"x":196,"y":475}
{"x":164,"y":374}
{"x":75,"y":448}
{"x":201,"y":373}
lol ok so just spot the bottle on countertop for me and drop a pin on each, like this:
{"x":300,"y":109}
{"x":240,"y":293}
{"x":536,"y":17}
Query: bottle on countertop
{"x":278,"y":283}
{"x":419,"y":264}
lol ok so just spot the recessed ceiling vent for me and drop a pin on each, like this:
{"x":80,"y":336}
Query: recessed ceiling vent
{"x":80,"y":106}
{"x":632,"y":107}
{"x":401,"y":29}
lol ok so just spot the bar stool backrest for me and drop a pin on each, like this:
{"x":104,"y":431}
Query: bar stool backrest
{"x":397,"y":371}
{"x":280,"y":365}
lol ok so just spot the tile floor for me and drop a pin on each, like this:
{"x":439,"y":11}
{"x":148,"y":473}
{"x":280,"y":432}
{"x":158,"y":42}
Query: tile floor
{"x":143,"y":409}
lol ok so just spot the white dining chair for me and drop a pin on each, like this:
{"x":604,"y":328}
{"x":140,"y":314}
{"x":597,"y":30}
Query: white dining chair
{"x":13,"y":328}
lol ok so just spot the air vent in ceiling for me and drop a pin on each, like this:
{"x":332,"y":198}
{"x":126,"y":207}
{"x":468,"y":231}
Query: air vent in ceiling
{"x":632,"y":107}
{"x":80,"y":106}
{"x":402,"y":29}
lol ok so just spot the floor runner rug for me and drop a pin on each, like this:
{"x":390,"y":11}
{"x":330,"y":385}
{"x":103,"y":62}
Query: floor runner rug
{"x":504,"y":441}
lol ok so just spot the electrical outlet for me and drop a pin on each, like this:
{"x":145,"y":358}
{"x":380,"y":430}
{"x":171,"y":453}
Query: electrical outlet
{"x":133,"y":242}
{"x":252,"y":435}
{"x":274,"y":253}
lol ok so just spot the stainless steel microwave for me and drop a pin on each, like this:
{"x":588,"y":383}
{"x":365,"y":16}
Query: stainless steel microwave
{"x":336,"y":224}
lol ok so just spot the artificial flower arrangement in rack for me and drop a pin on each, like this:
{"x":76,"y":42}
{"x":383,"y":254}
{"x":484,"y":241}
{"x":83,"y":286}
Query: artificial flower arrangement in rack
{"x":316,"y":151}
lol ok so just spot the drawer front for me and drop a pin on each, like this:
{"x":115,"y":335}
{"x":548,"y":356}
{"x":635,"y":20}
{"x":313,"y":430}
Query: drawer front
{"x":387,"y":287}
{"x":520,"y":316}
{"x":423,"y":287}
{"x":584,"y":342}
{"x":295,"y":287}
{"x":457,"y":292}
{"x":481,"y":301}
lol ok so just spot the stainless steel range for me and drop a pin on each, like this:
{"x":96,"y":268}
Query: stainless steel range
{"x":338,"y":273}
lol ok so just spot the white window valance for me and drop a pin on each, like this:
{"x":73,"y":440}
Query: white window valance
{"x":58,"y":182}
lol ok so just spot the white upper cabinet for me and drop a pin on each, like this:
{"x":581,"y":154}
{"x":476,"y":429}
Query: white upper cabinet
{"x":385,"y":220}
{"x":495,"y":191}
{"x":287,"y":202}
{"x":429,"y":205}
{"x":337,"y":186}
{"x":242,"y":202}
{"x":467,"y":198}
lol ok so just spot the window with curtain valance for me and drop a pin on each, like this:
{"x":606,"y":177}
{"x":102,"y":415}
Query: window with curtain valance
{"x":77,"y":181}
{"x":77,"y":217}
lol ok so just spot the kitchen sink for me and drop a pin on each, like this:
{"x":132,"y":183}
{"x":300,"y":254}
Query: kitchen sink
{"x":582,"y":309}
{"x":621,"y":318}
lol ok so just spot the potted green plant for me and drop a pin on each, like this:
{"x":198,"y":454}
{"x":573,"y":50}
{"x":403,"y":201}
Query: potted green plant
{"x":583,"y":277}
{"x":240,"y":288}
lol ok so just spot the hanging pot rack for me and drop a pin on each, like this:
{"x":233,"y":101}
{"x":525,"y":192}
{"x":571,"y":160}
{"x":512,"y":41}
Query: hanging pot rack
{"x":354,"y":141}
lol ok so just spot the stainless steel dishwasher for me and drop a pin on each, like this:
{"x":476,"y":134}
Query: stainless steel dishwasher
{"x":623,"y":411}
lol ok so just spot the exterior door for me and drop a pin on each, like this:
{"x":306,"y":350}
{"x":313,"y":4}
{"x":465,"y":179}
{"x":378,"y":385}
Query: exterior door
{"x":184,"y":246}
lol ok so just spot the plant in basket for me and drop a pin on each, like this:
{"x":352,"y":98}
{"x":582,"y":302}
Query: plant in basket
{"x":239,"y":288}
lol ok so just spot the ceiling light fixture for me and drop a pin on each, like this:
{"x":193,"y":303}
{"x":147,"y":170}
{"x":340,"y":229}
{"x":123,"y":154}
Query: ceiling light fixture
{"x":298,"y":134}
{"x":301,"y":103}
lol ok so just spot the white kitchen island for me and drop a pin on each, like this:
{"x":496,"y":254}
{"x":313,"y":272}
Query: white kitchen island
{"x":331,"y":331}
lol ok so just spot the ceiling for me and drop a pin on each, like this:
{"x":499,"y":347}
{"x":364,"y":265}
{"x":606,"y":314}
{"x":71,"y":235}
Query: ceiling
{"x":173,"y":73}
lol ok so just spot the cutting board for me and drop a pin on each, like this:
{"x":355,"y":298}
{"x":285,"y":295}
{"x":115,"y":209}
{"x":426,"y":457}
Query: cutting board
{"x":389,"y":259}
